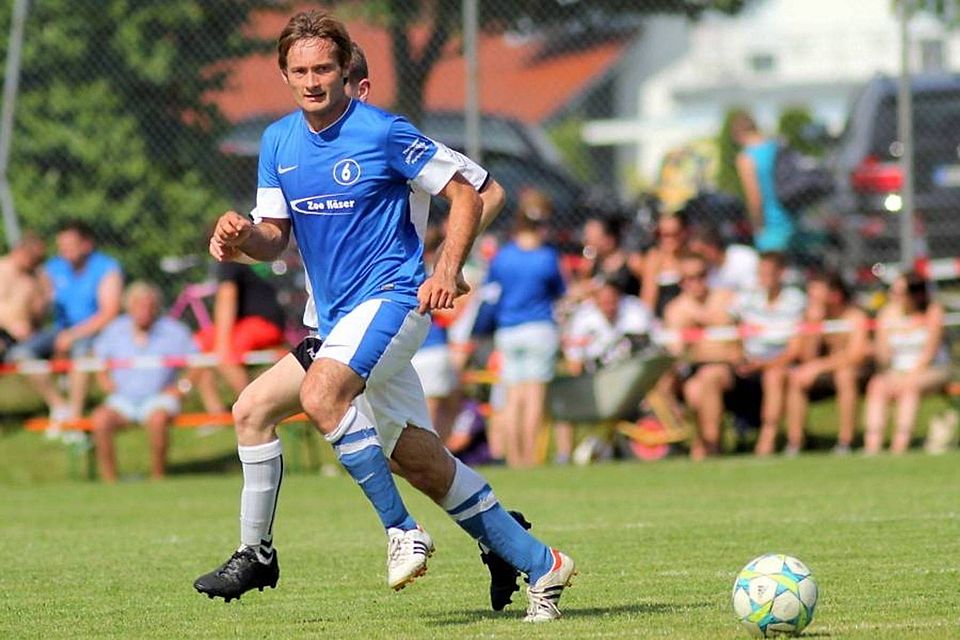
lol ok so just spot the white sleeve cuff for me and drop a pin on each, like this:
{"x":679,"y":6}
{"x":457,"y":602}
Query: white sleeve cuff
{"x":438,"y":171}
{"x":470,"y":170}
{"x":270,"y":204}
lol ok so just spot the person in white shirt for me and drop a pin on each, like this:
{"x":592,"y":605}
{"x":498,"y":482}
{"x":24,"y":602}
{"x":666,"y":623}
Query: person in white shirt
{"x":604,"y":329}
{"x":732,"y":267}
{"x":773,"y":309}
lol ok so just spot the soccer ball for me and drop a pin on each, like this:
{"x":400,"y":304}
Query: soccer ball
{"x":774,"y":594}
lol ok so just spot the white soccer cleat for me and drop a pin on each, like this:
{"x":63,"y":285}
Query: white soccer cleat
{"x":407,"y":553}
{"x":545,"y":594}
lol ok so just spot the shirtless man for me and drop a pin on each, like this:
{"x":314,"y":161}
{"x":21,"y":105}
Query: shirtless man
{"x":24,"y":292}
{"x":710,"y":363}
{"x":835,"y":358}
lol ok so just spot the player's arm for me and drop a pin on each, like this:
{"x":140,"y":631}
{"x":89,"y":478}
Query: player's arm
{"x":492,"y":198}
{"x":441,"y":288}
{"x":236,"y":236}
{"x":492,"y":195}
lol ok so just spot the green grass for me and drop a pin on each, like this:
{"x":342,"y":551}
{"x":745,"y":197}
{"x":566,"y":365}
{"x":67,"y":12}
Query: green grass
{"x":657,"y":546}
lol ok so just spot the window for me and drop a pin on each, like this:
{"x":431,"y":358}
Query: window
{"x":762,"y":62}
{"x":932,"y":55}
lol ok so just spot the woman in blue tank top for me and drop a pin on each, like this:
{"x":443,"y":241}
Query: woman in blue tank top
{"x":773,"y":225}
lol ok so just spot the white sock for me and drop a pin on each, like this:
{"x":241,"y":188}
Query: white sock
{"x":262,"y":474}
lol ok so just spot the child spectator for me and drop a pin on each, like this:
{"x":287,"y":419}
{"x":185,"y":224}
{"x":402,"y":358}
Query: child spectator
{"x":913,"y":359}
{"x":147,"y":396}
{"x":831,"y":362}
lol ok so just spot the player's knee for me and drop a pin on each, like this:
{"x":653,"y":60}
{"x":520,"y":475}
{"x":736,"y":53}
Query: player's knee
{"x":250,"y":414}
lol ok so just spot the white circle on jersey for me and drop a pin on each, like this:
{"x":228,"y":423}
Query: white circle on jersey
{"x":346,"y":172}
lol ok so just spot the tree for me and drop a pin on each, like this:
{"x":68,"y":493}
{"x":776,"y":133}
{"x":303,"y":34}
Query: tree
{"x":577,"y":21}
{"x":113,"y":124}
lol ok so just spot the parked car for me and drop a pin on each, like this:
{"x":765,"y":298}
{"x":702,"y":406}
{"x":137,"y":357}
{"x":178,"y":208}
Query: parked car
{"x":866,"y":163}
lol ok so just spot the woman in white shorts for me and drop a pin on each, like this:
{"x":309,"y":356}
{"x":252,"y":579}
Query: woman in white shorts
{"x":527,"y":273}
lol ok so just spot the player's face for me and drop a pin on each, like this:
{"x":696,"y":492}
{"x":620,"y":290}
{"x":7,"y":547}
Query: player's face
{"x":316,"y":78}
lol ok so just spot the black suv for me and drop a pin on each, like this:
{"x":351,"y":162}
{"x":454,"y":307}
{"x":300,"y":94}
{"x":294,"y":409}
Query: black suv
{"x":869,"y":179}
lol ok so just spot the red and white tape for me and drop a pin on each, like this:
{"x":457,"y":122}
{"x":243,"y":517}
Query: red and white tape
{"x":937,"y":269}
{"x":140,"y":362}
{"x":774,"y":331}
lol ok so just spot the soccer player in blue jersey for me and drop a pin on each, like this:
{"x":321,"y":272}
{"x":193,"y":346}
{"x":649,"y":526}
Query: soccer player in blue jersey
{"x":337,"y":173}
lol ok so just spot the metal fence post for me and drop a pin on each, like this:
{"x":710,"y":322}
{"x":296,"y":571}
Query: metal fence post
{"x":905,"y":134}
{"x":11,"y":227}
{"x":472,"y":93}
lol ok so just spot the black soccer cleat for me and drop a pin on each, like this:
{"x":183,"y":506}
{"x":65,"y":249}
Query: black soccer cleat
{"x":241,"y":573}
{"x":503,"y":576}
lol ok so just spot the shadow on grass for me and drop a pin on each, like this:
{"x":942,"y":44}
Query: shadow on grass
{"x":639,"y":608}
{"x":218,"y":464}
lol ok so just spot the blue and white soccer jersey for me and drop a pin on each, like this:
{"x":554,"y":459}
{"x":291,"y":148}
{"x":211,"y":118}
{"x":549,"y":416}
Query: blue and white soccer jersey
{"x":346,"y":191}
{"x":419,"y":212}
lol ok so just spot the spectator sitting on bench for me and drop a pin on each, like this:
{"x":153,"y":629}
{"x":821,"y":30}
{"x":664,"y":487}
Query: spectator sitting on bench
{"x":25,"y":295}
{"x":707,"y":371}
{"x":913,"y":359}
{"x":773,"y":308}
{"x":830,"y":363}
{"x":147,"y":396}
{"x":603,"y":330}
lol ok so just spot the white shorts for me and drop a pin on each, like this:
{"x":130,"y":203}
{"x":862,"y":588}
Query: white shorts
{"x":377,"y":340}
{"x":435,"y":367}
{"x":139,"y":411}
{"x":529,"y":352}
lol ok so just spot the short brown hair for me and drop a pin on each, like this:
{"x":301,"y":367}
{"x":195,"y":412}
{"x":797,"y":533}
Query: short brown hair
{"x":358,"y":65}
{"x":314,"y":24}
{"x":741,"y":122}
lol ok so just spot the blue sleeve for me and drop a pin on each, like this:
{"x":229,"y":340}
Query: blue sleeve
{"x":408,"y":150}
{"x":267,"y":164}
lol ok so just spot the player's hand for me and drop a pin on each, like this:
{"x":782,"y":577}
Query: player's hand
{"x":439,"y":291}
{"x":231,"y":231}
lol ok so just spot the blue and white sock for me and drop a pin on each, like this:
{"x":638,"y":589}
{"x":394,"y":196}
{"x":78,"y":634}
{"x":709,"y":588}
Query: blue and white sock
{"x":473,"y":505}
{"x":357,"y":446}
{"x":262,"y":474}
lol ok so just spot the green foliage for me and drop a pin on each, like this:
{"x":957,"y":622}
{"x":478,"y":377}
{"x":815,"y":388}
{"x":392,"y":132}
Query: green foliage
{"x":792,"y":126}
{"x":566,"y":135}
{"x":114,"y":123}
{"x":727,"y":179}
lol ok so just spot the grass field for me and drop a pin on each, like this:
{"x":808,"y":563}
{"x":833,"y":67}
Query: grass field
{"x":657,"y":546}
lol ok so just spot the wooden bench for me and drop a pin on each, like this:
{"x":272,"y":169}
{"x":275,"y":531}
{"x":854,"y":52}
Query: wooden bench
{"x":81,"y":461}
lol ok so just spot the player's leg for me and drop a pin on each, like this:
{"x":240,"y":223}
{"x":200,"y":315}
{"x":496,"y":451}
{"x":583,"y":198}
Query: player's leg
{"x":107,"y":420}
{"x":463,"y":493}
{"x":372,"y":340}
{"x":270,"y":398}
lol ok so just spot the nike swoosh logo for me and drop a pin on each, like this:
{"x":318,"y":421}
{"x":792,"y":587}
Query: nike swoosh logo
{"x":282,"y":170}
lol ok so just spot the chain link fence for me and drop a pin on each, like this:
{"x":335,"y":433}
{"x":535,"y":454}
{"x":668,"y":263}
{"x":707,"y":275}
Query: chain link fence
{"x":143,"y":118}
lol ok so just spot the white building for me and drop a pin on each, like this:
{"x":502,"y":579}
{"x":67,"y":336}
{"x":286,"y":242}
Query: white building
{"x":682,"y":76}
